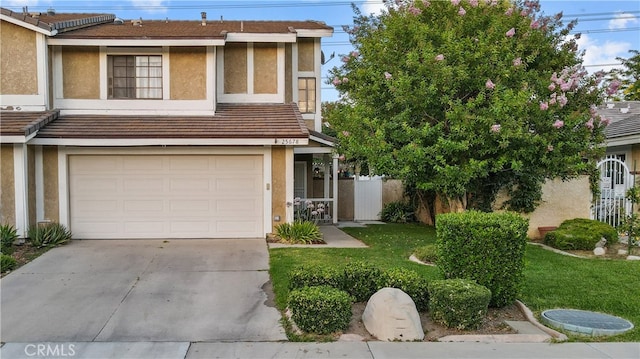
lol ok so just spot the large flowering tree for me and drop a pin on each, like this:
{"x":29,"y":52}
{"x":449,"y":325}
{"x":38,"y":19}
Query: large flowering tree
{"x":463,"y":98}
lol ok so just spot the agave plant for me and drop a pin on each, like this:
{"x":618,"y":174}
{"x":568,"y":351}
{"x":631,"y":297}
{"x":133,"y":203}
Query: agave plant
{"x":48,"y":235}
{"x":8,"y":234}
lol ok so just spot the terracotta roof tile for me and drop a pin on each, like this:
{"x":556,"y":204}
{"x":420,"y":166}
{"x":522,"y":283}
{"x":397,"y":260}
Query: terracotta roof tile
{"x":161,"y":29}
{"x":14,"y":123}
{"x":230,"y":121}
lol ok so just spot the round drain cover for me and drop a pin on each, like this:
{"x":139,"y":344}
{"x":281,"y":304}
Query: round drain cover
{"x":586,"y":322}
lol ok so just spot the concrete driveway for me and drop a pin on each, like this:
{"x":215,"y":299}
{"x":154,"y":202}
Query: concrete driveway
{"x":142,"y":290}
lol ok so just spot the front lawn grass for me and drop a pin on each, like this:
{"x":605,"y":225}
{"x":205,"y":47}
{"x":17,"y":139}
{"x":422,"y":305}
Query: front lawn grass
{"x":551,"y":280}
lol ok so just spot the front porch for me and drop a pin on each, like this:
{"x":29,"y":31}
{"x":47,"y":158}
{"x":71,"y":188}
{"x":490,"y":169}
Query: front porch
{"x":317,"y":160}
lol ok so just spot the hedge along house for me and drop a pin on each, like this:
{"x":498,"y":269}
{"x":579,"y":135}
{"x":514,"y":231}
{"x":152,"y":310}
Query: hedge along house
{"x":157,"y":129}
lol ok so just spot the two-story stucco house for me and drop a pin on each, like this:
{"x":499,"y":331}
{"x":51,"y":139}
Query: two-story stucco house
{"x":158,"y":129}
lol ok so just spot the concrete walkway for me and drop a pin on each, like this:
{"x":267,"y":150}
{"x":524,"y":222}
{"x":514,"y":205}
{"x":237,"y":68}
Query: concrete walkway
{"x":333,"y":237}
{"x":352,"y":350}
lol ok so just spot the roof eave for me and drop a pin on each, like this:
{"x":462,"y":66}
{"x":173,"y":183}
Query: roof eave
{"x":26,"y":25}
{"x":137,"y":42}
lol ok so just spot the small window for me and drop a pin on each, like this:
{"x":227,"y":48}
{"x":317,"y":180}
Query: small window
{"x":135,"y":77}
{"x":307,"y":94}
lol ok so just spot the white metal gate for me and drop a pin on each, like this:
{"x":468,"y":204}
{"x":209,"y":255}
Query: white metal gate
{"x":611,"y":206}
{"x":367,"y":194}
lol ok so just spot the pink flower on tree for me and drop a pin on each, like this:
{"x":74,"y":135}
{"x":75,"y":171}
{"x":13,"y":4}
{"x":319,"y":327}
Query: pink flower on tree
{"x":345,"y":80}
{"x":355,"y":54}
{"x":613,"y":87}
{"x":336,"y":81}
{"x":510,"y":33}
{"x":387,"y":75}
{"x":346,"y":133}
{"x":562,"y":100}
{"x":535,"y":24}
{"x":496,"y":128}
{"x":489,"y":84}
{"x":426,"y":3}
{"x":566,"y":86}
{"x":549,"y":148}
{"x":604,"y":121}
{"x":473,"y":3}
{"x":517,"y":62}
{"x":509,"y":11}
{"x":544,"y":106}
{"x":552,"y":87}
{"x":414,"y":10}
{"x":589,"y":124}
{"x":440,"y":57}
{"x":345,"y":58}
{"x":558,"y":124}
{"x":455,"y":2}
{"x":462,"y":11}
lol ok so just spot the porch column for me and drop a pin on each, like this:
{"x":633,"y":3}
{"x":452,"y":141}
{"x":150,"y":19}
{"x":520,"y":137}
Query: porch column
{"x":20,"y":178}
{"x":327,"y":169}
{"x":335,"y":189}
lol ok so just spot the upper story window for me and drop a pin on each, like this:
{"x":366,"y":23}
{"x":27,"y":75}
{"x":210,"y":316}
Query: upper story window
{"x":307,"y":94}
{"x":135,"y":76}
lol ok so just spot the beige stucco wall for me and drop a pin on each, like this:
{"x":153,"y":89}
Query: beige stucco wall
{"x":188,"y":73}
{"x":288,"y":74}
{"x":81,"y":72}
{"x":306,"y":55}
{"x":560,"y":201}
{"x":18,"y":56}
{"x":265,"y":68}
{"x":50,"y":177}
{"x":278,"y":184}
{"x":235,"y":68}
{"x":7,"y":189}
{"x":345,"y":199}
{"x":392,"y":191}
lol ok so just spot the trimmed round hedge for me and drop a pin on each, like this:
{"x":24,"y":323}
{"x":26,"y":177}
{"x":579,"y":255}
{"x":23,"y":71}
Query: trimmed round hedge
{"x":458,"y":303}
{"x":320,"y":309}
{"x":581,"y":234}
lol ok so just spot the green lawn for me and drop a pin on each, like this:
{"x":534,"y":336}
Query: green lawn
{"x":551,"y":280}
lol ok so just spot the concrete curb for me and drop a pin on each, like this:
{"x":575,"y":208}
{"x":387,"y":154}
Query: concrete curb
{"x":532,"y":319}
{"x":556,"y":250}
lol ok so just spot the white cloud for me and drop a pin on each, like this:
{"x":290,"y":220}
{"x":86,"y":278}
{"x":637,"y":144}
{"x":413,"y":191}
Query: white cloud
{"x":597,"y":53}
{"x":150,"y":6}
{"x":372,"y":6}
{"x":620,"y":21}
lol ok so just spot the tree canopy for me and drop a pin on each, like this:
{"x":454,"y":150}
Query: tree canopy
{"x":625,"y":82}
{"x":463,"y":98}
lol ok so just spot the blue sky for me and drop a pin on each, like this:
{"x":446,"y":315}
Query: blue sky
{"x":609,"y":28}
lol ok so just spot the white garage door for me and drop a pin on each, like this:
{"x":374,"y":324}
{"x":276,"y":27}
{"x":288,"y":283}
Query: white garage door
{"x":166,"y":196}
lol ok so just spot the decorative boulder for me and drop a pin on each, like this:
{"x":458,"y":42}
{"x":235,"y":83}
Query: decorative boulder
{"x":599,"y":251}
{"x":391,"y":314}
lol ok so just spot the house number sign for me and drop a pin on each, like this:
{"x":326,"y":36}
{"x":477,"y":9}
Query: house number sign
{"x":287,"y":141}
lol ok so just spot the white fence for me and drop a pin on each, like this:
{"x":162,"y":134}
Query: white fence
{"x":367,"y":193}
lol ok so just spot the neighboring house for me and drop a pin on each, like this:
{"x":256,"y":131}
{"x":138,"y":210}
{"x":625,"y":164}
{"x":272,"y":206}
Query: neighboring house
{"x":158,"y":129}
{"x":623,"y":133}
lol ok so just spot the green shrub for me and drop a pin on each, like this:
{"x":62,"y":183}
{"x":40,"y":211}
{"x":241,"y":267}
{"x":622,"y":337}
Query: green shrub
{"x":316,"y":275}
{"x":360,"y":280}
{"x":320,"y":309}
{"x":48,"y":235}
{"x":8,"y":235}
{"x":485,"y":247}
{"x":7,"y":263}
{"x":409,"y":282}
{"x":398,"y":212}
{"x":458,"y":303}
{"x":580,"y":233}
{"x":428,"y":253}
{"x":299,"y":232}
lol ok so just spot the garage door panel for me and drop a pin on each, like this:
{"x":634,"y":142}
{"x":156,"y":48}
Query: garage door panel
{"x":141,"y":164}
{"x":155,"y":206}
{"x":166,"y":196}
{"x":189,"y":185}
{"x":146,"y":183}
